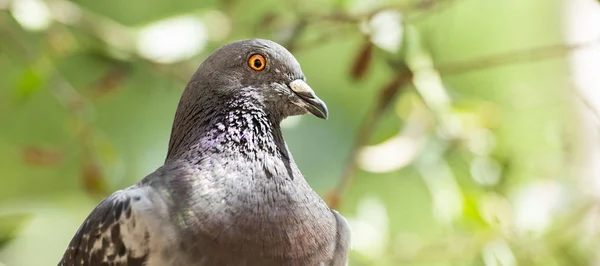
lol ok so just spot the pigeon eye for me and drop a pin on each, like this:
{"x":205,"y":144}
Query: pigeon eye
{"x":257,"y":62}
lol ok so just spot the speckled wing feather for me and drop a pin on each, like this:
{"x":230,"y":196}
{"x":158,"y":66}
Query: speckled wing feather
{"x":113,"y":234}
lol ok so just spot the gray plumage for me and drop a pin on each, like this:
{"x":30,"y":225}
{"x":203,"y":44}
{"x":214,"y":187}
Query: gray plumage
{"x":229,"y":192}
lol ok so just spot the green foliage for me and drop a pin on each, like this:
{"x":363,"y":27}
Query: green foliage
{"x":9,"y":227}
{"x":452,"y":140}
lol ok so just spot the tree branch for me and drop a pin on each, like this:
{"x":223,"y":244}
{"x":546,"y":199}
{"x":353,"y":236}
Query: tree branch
{"x":514,"y":57}
{"x":386,"y":97}
{"x":404,"y":76}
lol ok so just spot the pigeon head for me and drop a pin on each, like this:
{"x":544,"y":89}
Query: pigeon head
{"x":260,"y":71}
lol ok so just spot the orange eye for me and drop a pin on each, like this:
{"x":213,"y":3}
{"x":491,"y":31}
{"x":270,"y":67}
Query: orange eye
{"x":257,"y":62}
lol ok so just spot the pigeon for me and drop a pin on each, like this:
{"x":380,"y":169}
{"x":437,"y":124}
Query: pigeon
{"x":229,"y":192}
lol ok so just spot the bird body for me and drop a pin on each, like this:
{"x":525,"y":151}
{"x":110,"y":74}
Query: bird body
{"x":229,"y":192}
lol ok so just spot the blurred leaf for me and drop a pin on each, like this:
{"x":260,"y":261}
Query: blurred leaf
{"x":267,"y":20}
{"x":471,"y":211}
{"x":333,"y":199}
{"x":362,"y":61}
{"x":28,"y":84}
{"x":110,"y":82}
{"x":42,"y":157}
{"x":92,"y":178}
{"x":10,"y":225}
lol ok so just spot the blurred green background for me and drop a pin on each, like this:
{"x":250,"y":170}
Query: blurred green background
{"x":461,"y":132}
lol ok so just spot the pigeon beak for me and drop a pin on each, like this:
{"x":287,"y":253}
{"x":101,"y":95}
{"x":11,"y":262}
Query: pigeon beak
{"x":311,"y":102}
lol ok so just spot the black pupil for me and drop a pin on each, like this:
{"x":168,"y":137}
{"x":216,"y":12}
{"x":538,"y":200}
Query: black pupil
{"x":257,"y":63}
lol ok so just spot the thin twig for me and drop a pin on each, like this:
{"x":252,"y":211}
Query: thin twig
{"x":595,"y":112}
{"x":514,"y":57}
{"x":436,"y":8}
{"x":425,"y":6}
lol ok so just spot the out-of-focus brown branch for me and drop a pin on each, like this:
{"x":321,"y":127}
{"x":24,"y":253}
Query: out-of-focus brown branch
{"x":514,"y":57}
{"x":292,"y":42}
{"x":424,"y":6}
{"x":78,"y":106}
{"x":404,"y":77}
{"x":386,"y":96}
{"x":423,"y":9}
{"x":432,"y":8}
{"x":107,"y":30}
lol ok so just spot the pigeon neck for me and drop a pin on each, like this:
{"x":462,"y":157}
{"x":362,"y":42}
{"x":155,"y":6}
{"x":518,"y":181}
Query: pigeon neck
{"x":239,"y":126}
{"x":237,"y":160}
